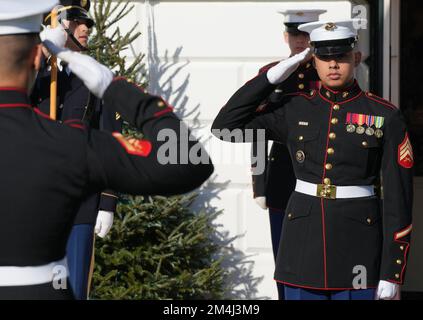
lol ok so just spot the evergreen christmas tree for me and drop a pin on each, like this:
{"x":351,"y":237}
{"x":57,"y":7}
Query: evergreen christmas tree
{"x":158,"y":248}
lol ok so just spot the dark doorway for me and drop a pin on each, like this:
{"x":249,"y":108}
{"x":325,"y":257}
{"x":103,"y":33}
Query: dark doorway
{"x":411,"y":103}
{"x":411,"y":100}
{"x":375,"y":59}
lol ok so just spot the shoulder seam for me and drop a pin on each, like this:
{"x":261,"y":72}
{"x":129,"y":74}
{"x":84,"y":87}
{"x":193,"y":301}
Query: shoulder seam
{"x":75,"y":123}
{"x":42,"y":114}
{"x":380,"y":100}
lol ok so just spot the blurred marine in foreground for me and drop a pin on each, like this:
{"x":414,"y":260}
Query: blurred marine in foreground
{"x":76,"y":102}
{"x":47,"y":167}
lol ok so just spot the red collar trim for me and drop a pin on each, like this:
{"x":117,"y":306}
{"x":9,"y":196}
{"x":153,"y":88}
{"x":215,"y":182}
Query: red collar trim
{"x":349,"y":88}
{"x":329,"y":89}
{"x":341,"y":102}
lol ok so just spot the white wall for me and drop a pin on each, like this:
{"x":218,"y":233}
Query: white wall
{"x":202,"y":52}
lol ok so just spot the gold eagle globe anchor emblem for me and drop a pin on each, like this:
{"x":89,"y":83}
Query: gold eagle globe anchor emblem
{"x":330,"y":26}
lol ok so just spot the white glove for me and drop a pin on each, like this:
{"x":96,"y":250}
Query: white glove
{"x":57,"y":36}
{"x":95,"y":76}
{"x":386,"y":290}
{"x":104,"y":223}
{"x":261,"y":201}
{"x":285,"y":68}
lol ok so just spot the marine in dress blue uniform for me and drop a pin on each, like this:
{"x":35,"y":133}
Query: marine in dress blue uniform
{"x":277,"y":181}
{"x":338,"y":241}
{"x":76,"y":103}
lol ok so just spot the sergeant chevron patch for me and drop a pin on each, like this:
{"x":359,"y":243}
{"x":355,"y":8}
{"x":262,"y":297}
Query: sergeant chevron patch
{"x":403,"y":233}
{"x":405,"y":153}
{"x":134,"y":146}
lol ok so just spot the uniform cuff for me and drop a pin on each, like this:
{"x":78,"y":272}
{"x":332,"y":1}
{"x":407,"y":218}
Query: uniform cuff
{"x":108,"y":202}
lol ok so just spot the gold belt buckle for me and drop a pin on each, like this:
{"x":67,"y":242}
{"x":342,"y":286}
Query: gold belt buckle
{"x":326,"y":191}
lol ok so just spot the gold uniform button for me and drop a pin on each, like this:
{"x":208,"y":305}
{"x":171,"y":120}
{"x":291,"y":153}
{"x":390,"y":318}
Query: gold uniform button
{"x":369,"y":221}
{"x":301,"y":86}
{"x":326,"y":181}
{"x":328,"y":166}
{"x":160,"y":104}
{"x":331,"y":151}
{"x":301,"y":138}
{"x":289,"y":215}
{"x":334,"y":121}
{"x":332,"y":135}
{"x":336,"y":107}
{"x":301,"y":75}
{"x":272,"y":159}
{"x":364,"y":143}
{"x":397,"y":275}
{"x":399,"y":261}
{"x":402,"y":248}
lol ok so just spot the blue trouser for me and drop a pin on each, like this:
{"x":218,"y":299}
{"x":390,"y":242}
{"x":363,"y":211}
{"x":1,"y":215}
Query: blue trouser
{"x":294,"y":293}
{"x":276,"y":219}
{"x":78,"y":252}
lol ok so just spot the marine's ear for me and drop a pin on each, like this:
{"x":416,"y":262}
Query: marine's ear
{"x":35,"y":57}
{"x":285,"y":36}
{"x":357,"y":58}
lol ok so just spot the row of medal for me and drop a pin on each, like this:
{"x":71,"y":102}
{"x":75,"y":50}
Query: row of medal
{"x":355,"y":123}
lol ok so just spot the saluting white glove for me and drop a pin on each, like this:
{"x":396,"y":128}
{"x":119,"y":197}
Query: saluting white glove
{"x":261,"y":201}
{"x":386,"y":290}
{"x":104,"y":223}
{"x":285,"y":68}
{"x":93,"y":74}
{"x":57,"y":36}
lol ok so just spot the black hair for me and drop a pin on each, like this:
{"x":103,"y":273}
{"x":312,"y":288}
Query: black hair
{"x":15,"y":50}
